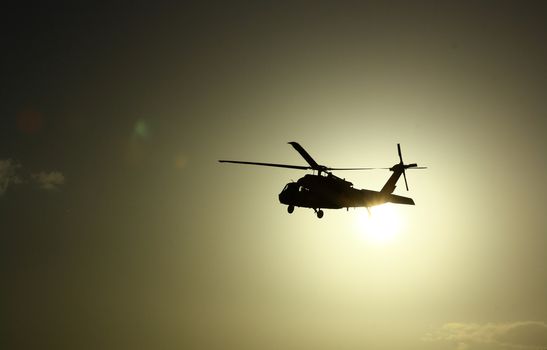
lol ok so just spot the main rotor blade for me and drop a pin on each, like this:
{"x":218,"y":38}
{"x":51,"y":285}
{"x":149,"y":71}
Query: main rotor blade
{"x":354,"y":168}
{"x":305,"y":155}
{"x":267,"y":164}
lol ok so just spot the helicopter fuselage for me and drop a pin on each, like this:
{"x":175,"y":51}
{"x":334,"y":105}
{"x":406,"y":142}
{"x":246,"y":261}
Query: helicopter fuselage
{"x":328,"y":192}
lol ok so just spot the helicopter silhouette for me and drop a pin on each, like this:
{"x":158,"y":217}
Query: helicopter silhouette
{"x":324,"y":190}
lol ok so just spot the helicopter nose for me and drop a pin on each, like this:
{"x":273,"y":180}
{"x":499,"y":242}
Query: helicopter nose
{"x":283,"y":196}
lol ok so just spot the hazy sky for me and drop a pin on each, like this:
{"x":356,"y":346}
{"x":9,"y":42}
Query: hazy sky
{"x":120,"y":230}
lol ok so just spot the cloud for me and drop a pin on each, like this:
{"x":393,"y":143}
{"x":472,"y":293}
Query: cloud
{"x":49,"y":181}
{"x":521,"y":335}
{"x":8,"y":176}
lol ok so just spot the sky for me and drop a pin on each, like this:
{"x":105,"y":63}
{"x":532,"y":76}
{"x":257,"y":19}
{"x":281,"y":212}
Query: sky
{"x":120,"y":230}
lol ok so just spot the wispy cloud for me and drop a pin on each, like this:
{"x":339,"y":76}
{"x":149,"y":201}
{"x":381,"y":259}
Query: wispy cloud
{"x":521,"y":335}
{"x":8,"y":174}
{"x":49,"y":181}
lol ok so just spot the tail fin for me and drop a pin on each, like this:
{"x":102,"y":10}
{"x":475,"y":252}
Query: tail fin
{"x":390,"y":185}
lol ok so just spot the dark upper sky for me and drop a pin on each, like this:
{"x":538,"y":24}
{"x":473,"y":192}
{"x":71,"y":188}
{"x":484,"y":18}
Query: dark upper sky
{"x":118,"y":229}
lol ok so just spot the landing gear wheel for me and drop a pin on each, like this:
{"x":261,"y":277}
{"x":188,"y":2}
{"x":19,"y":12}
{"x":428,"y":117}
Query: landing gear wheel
{"x":290,"y":209}
{"x":319,"y":214}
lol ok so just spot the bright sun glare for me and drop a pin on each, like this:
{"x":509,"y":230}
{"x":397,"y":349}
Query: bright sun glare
{"x":381,"y":226}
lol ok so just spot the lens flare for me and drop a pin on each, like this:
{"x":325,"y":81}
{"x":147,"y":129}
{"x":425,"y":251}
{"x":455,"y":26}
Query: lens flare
{"x":30,"y":121}
{"x":382,"y":226}
{"x":141,"y":129}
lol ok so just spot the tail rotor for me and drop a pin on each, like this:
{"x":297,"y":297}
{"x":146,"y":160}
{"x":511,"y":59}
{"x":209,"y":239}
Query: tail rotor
{"x":402,"y":166}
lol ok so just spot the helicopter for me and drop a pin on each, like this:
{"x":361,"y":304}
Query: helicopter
{"x":324,"y":190}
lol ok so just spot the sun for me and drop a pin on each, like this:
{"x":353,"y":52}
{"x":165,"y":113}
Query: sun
{"x":382,"y":226}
